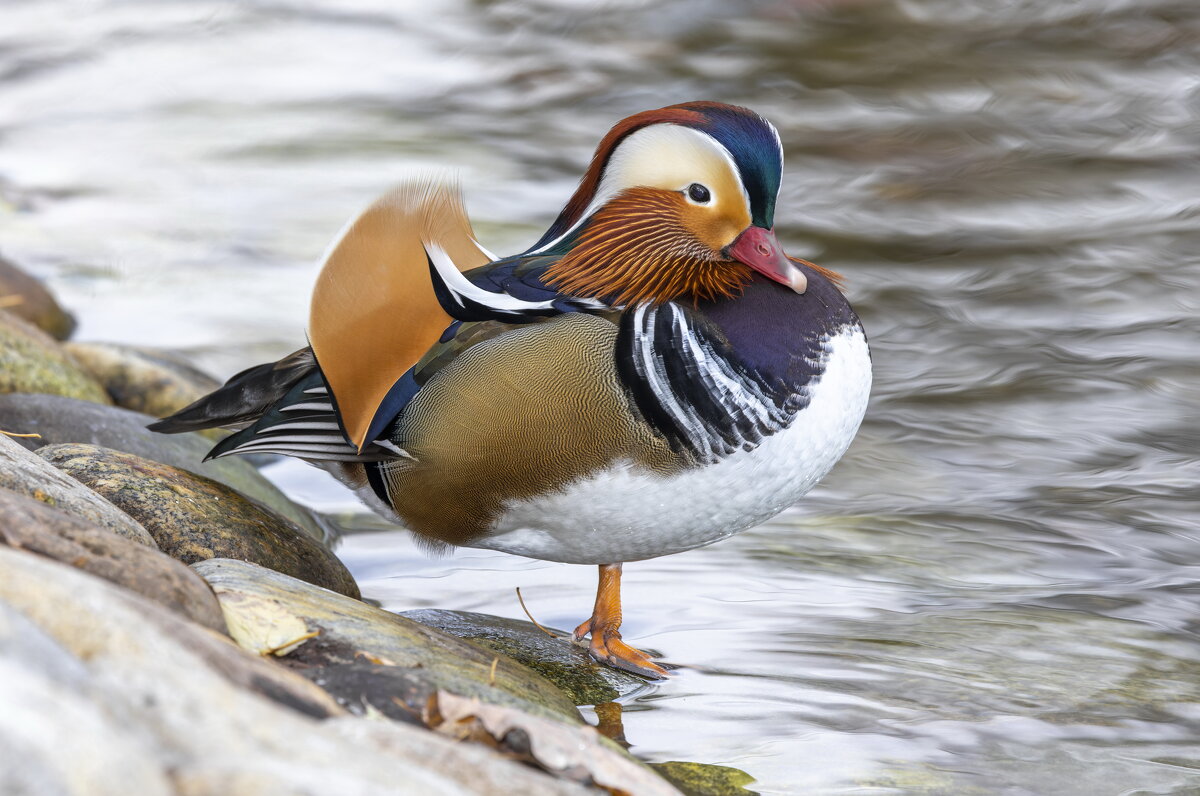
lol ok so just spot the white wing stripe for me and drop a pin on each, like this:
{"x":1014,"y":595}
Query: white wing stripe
{"x":460,"y":287}
{"x":306,"y":425}
{"x":311,"y":406}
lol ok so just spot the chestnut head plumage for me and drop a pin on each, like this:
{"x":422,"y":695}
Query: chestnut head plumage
{"x":678,"y":202}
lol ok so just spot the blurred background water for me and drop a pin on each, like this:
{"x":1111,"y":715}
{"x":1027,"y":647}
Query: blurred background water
{"x":996,"y":591}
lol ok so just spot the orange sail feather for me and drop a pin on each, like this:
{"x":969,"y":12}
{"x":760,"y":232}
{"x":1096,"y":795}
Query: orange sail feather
{"x":374,"y":313}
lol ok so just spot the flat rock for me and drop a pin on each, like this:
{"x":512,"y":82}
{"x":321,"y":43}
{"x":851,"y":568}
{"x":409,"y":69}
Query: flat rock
{"x":57,"y":420}
{"x":28,"y":474}
{"x":25,"y":296}
{"x":33,"y":361}
{"x":558,"y":660}
{"x":31,"y":525}
{"x":308,"y":627}
{"x":119,"y":696}
{"x":193,"y":518}
{"x":146,"y":380}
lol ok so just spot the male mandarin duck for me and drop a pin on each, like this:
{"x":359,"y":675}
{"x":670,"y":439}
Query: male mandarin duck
{"x":653,"y":375}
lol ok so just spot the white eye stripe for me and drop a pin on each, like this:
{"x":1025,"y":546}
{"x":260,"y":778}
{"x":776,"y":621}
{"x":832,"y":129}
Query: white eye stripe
{"x":668,"y":156}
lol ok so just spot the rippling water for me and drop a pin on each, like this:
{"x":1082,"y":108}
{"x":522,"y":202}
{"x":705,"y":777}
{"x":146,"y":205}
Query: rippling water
{"x":996,"y":591}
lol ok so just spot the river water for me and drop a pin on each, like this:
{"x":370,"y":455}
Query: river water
{"x":996,"y":591}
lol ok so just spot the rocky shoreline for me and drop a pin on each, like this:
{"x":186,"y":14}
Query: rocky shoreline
{"x":173,"y":626}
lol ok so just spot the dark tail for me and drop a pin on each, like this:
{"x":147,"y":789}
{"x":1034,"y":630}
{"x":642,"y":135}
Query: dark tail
{"x":244,"y":398}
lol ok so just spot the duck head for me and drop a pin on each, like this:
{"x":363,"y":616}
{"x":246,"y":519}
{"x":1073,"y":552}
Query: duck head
{"x":678,"y":202}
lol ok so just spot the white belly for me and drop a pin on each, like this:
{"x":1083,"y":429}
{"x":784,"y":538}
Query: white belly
{"x":625,"y":513}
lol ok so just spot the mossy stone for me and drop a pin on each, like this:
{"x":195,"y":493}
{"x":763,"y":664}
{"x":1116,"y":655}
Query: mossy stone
{"x":703,"y":779}
{"x":28,"y":474}
{"x":33,"y":361}
{"x":558,"y":660}
{"x":193,"y":518}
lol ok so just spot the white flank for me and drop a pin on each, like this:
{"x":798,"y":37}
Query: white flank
{"x":627,"y":514}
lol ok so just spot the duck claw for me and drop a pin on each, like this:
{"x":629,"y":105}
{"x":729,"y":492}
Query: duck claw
{"x":607,"y":647}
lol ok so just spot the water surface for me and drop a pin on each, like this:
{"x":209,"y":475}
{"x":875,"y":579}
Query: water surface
{"x":995,"y":591}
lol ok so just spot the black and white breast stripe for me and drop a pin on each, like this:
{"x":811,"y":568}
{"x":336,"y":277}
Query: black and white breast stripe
{"x":690,"y":388}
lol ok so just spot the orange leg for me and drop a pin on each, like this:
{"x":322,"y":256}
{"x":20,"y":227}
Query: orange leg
{"x":606,"y":645}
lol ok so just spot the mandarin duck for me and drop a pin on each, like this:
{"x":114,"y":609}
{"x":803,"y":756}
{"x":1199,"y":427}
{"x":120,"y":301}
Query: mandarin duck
{"x":651,"y":376}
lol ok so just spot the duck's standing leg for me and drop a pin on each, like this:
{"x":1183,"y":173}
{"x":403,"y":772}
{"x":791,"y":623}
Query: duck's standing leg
{"x":605,"y":624}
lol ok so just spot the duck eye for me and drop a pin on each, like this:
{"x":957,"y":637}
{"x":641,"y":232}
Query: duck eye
{"x":698,"y":193}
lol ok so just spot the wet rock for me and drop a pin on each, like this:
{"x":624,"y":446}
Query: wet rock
{"x":25,"y":296}
{"x":60,"y":420}
{"x":146,"y":380}
{"x":400,"y":693}
{"x":307,"y":628}
{"x":32,"y":361}
{"x":194,"y":518}
{"x":702,"y":779}
{"x":558,"y":660}
{"x":28,"y":474}
{"x":117,"y":696}
{"x":36,"y":527}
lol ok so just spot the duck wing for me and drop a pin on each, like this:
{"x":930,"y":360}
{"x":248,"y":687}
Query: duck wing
{"x":391,"y":295}
{"x":374,"y":311}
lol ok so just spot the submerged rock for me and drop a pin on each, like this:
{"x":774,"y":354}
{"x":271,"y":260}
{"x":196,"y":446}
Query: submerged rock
{"x":309,"y":628}
{"x":193,"y":518}
{"x":28,"y":474}
{"x":703,"y":779}
{"x":25,"y":296}
{"x":32,"y":361}
{"x":118,"y":696}
{"x":57,"y":420}
{"x":36,"y":527}
{"x":145,"y":380}
{"x":558,"y":660}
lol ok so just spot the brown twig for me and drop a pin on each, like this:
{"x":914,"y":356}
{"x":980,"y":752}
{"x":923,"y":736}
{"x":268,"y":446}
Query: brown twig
{"x":531,"y":619}
{"x":492,"y":673}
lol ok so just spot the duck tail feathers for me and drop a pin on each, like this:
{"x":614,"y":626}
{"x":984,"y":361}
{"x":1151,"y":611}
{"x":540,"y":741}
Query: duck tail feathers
{"x":244,"y":398}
